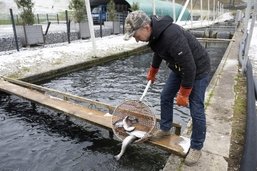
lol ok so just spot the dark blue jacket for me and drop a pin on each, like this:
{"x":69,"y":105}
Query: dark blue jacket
{"x":180,"y":49}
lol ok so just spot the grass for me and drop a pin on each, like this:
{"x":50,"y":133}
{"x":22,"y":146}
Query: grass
{"x":238,"y":124}
{"x":5,"y":22}
{"x":6,"y":19}
{"x":19,"y":74}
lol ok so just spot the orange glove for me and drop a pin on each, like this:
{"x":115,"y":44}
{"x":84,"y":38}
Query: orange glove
{"x":151,"y":73}
{"x":183,"y":96}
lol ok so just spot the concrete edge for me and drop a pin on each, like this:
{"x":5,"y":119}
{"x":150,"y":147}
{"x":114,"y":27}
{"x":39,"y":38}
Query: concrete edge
{"x":40,"y":77}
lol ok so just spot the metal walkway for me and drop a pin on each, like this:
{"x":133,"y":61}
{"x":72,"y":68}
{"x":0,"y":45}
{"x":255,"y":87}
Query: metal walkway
{"x":91,"y":111}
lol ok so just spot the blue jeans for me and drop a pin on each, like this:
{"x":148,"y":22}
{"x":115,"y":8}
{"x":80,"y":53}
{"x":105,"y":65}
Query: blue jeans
{"x":196,"y":105}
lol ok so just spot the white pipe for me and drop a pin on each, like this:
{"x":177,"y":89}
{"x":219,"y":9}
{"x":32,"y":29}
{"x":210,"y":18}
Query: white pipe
{"x":213,"y":13}
{"x":191,"y":9}
{"x":247,"y":16}
{"x":208,"y":11}
{"x":201,"y":6}
{"x":174,"y":10}
{"x":218,"y":7}
{"x":91,"y":26}
{"x":249,"y":37}
{"x":221,"y":8}
{"x":154,"y":10}
{"x":249,"y":5}
{"x":145,"y":91}
{"x":183,"y":10}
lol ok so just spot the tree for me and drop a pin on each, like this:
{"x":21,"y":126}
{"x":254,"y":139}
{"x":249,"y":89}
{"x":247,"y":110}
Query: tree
{"x":111,"y":9}
{"x":27,"y":15}
{"x":134,"y":6}
{"x":79,"y":10}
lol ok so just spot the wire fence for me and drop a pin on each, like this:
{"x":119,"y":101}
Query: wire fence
{"x":56,"y":28}
{"x":39,"y":18}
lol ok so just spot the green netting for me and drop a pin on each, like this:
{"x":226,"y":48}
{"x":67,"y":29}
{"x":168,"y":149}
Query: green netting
{"x":162,"y":8}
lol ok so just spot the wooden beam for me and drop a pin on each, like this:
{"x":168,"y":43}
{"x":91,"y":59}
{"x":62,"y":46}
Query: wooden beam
{"x":172,"y":143}
{"x":67,"y":96}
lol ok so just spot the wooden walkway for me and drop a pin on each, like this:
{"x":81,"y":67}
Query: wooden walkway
{"x":96,"y":113}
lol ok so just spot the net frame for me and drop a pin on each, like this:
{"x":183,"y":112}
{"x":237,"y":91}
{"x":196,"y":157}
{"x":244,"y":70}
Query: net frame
{"x":146,"y":119}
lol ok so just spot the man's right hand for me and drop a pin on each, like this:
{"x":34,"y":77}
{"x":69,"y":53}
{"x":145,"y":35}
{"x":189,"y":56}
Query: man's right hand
{"x":152,"y":73}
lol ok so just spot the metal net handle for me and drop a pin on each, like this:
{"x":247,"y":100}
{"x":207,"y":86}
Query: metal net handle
{"x":145,"y":91}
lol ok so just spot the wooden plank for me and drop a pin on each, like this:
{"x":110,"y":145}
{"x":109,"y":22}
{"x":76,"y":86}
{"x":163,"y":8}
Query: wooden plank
{"x":63,"y":94}
{"x":74,"y":97}
{"x":176,"y":144}
{"x":92,"y":116}
{"x":171,"y":143}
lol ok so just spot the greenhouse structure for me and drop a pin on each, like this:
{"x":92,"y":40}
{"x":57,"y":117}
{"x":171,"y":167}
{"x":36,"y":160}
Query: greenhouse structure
{"x":161,"y":8}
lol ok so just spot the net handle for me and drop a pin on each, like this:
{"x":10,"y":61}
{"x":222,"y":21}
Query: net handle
{"x":145,"y":91}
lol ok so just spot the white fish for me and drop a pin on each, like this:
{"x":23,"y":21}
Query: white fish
{"x":118,"y":123}
{"x":126,"y":126}
{"x":129,"y":139}
{"x":137,"y":133}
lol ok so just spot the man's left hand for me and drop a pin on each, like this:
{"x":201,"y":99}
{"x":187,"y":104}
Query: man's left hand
{"x":183,"y":96}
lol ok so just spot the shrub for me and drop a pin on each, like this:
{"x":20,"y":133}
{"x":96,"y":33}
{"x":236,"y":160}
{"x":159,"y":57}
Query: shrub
{"x":134,"y":6}
{"x":26,"y":7}
{"x":111,"y":9}
{"x":78,"y":8}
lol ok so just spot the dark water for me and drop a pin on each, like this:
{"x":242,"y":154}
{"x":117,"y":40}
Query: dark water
{"x":36,"y":138}
{"x":40,"y":139}
{"x":114,"y":82}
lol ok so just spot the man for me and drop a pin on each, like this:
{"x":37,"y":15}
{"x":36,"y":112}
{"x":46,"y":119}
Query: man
{"x":190,"y":66}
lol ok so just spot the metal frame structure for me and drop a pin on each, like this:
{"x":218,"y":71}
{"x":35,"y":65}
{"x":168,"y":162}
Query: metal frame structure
{"x":249,"y":157}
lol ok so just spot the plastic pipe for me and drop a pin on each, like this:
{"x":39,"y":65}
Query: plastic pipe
{"x":91,"y":26}
{"x":182,"y":12}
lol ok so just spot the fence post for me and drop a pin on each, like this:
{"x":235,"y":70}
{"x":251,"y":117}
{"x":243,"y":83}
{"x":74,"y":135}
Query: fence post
{"x":101,"y":22}
{"x":47,"y":19}
{"x":14,"y":31}
{"x":57,"y":18}
{"x":68,"y":25}
{"x":37,"y":18}
{"x":17,"y":18}
{"x":47,"y":28}
{"x":123,"y":22}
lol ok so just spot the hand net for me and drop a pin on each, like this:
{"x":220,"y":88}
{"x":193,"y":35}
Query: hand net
{"x":139,"y":115}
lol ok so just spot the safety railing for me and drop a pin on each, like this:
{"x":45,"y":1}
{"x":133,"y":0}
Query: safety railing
{"x":249,"y":157}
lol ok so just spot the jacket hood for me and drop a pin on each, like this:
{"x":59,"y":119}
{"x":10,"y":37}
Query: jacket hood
{"x":159,"y":24}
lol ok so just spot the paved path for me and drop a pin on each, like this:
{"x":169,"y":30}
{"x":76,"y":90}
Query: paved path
{"x":219,"y":115}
